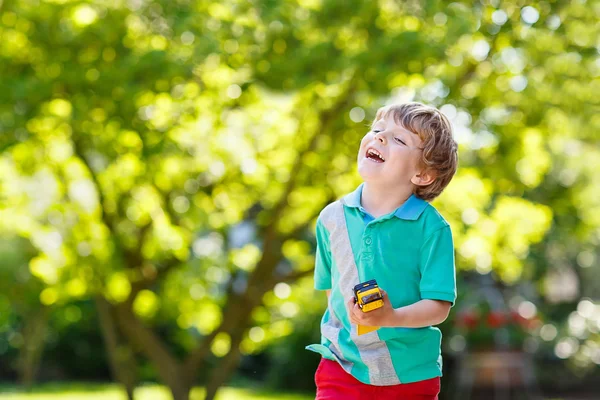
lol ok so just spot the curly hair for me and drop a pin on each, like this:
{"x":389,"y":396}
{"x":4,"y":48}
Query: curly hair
{"x":440,"y":150}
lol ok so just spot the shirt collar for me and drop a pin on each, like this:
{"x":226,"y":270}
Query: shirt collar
{"x":410,"y":210}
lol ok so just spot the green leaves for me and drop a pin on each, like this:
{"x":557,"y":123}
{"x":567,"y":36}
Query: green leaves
{"x":132,"y":132}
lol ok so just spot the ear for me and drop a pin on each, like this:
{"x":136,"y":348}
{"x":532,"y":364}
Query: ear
{"x":423,"y":178}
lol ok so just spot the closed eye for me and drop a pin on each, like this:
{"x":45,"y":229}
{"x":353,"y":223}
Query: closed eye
{"x":397,"y":139}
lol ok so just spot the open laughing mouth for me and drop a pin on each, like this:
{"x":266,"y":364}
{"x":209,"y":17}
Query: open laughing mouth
{"x":374,"y":155}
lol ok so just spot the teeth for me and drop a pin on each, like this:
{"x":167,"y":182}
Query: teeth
{"x":375,"y":152}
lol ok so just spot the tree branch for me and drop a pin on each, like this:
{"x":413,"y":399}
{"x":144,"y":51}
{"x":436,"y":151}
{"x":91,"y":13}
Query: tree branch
{"x":327,"y":118}
{"x":237,"y":311}
{"x":295,"y":275}
{"x":105,"y":218}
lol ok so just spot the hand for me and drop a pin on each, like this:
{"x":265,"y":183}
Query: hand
{"x":383,"y":316}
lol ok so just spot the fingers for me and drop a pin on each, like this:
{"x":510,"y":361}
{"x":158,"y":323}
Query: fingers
{"x":350,"y":306}
{"x":357,"y":316}
{"x":352,"y":309}
{"x":350,"y":302}
{"x":354,"y":318}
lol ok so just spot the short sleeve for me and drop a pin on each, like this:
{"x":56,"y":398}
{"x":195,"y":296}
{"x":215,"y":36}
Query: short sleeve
{"x":438,"y":273}
{"x":322,"y":258}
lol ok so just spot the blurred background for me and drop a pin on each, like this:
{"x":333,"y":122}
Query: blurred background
{"x":162,"y":164}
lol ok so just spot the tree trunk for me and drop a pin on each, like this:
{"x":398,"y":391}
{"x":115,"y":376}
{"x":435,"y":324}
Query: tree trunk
{"x":180,"y":392}
{"x":122,"y":363}
{"x":168,"y":368}
{"x":30,"y":355}
{"x":227,"y":366}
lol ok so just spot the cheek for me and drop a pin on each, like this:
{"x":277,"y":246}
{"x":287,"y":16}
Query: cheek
{"x":403,"y":160}
{"x":363,"y":143}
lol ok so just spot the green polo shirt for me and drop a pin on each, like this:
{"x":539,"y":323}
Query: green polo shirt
{"x":410,"y":253}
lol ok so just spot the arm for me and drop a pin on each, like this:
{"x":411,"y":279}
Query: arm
{"x":422,"y":313}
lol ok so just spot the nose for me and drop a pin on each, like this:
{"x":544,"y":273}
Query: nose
{"x":379,"y":136}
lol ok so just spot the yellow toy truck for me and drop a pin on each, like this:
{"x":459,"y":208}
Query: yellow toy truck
{"x":369,"y":298}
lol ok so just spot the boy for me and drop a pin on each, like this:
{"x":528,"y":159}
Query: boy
{"x":386,"y":230}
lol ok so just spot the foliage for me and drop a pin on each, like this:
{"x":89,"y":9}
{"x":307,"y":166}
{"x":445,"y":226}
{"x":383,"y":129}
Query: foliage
{"x":148,"y":147}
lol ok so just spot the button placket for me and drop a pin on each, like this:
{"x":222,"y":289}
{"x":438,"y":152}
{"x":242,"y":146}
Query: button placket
{"x":367,"y":254}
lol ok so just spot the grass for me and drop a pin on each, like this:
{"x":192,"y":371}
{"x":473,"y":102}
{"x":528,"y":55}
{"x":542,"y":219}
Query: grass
{"x":95,"y":391}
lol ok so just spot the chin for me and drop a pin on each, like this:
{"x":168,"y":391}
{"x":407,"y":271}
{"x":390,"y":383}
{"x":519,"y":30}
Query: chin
{"x":369,"y":176}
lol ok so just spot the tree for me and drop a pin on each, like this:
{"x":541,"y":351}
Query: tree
{"x":20,"y":303}
{"x":154,"y":133}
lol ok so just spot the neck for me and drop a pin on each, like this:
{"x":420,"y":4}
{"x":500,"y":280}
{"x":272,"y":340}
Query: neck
{"x":379,"y":200}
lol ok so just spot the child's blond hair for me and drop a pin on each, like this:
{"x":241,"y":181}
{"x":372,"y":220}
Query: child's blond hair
{"x":440,"y":151}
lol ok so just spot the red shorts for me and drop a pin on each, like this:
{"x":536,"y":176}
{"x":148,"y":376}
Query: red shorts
{"x":334,"y":383}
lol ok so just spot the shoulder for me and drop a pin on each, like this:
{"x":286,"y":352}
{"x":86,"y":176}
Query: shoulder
{"x":332,"y":217}
{"x":330,"y":213}
{"x":432,"y":220}
{"x":330,"y":209}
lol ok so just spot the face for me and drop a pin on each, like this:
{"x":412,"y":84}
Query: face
{"x":399,"y":149}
